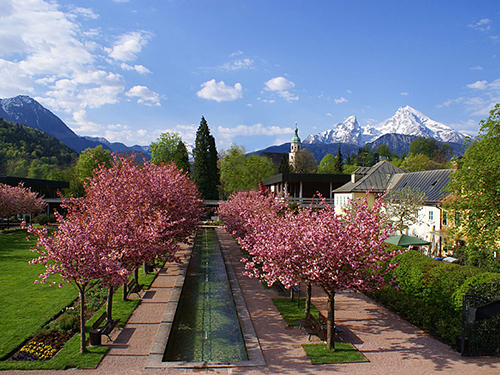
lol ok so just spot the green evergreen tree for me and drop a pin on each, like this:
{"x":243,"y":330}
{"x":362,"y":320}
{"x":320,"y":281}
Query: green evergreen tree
{"x":181,"y":157}
{"x":206,"y":173}
{"x":284,"y":166}
{"x":339,"y":166}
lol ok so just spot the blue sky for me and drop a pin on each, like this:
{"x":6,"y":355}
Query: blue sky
{"x":129,"y":70}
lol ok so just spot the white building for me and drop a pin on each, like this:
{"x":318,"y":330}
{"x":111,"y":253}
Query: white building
{"x":384,"y":177}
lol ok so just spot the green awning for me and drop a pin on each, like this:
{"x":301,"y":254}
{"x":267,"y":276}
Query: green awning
{"x":405,"y":241}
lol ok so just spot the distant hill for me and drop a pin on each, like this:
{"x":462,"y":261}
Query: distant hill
{"x":400,"y":143}
{"x":397,"y":143}
{"x":28,"y":152}
{"x":27,"y":111}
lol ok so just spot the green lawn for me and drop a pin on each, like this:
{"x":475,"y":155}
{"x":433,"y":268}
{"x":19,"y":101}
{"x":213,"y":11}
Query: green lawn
{"x":317,"y":353}
{"x":343,"y":353}
{"x":291,"y":312}
{"x":26,"y":307}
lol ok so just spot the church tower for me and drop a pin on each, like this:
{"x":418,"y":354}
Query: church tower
{"x":294,"y":148}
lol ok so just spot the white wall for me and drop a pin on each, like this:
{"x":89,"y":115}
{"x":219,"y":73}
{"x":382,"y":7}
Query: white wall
{"x":429,"y":221}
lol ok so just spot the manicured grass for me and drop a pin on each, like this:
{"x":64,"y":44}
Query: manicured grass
{"x":343,"y":353}
{"x":291,"y":312}
{"x":25,"y":307}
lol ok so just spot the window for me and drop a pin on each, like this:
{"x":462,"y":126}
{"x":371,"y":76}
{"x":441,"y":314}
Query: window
{"x":431,"y":215}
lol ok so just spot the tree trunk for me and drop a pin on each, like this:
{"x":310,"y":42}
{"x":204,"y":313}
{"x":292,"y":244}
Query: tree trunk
{"x":145,"y":268}
{"x":83,"y":341}
{"x":330,"y":328}
{"x":136,"y":275}
{"x":308,"y":300}
{"x":124,"y":292}
{"x":109,"y":305}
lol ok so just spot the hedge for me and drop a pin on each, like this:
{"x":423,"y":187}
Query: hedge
{"x":428,"y":293}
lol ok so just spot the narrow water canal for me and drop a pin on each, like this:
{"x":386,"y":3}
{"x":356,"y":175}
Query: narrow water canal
{"x":206,"y":327}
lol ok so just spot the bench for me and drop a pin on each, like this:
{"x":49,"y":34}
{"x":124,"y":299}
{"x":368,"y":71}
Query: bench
{"x":107,"y":327}
{"x":280,"y":288}
{"x":313,"y":327}
{"x":337,"y":329}
{"x":133,"y":287}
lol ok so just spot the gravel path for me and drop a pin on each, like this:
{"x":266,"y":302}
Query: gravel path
{"x":392,"y":345}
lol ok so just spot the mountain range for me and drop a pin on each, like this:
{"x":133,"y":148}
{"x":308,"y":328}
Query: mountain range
{"x":25,"y":110}
{"x":397,"y":132}
{"x":406,"y":121}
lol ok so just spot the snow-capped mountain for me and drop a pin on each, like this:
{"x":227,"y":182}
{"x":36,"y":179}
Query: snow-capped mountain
{"x":406,"y":121}
{"x":409,"y":121}
{"x":348,"y":131}
{"x":27,"y":111}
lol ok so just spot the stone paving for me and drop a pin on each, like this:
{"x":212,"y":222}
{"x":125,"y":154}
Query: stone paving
{"x":392,"y":345}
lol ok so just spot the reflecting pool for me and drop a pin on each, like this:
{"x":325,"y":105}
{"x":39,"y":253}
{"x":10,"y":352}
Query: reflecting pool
{"x":206,"y":326}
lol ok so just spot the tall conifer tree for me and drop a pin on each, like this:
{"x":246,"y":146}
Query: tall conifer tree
{"x":181,"y":157}
{"x":206,"y":173}
{"x":339,"y":166}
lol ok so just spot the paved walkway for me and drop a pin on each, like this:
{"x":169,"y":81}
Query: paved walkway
{"x":392,"y":345}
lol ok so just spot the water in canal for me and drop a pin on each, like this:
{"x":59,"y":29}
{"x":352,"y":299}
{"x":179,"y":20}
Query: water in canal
{"x":206,"y":327}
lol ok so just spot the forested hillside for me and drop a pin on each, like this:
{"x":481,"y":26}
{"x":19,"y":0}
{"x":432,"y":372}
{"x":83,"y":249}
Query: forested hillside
{"x":27,"y":152}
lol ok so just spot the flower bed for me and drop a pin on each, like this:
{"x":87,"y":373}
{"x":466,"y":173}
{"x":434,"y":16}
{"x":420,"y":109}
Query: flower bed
{"x":42,"y":347}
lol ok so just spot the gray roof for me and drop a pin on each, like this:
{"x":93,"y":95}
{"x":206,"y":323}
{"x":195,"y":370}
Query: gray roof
{"x":431,"y":183}
{"x":376,"y":178}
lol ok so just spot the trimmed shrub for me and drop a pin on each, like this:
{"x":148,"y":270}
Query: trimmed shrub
{"x":44,"y":219}
{"x":428,"y":293}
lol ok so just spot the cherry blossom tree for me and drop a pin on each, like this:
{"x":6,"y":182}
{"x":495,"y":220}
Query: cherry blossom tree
{"x":316,"y":246}
{"x":75,"y":252}
{"x":19,"y":200}
{"x":347,"y":251}
{"x":142,"y":212}
{"x":244,"y":206}
{"x":130,"y":215}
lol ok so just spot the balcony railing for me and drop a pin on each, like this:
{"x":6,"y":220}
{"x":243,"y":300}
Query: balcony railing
{"x":306,"y":202}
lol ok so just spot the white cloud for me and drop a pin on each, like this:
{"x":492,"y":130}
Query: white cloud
{"x":141,"y":69}
{"x":486,"y":95}
{"x":219,"y":91}
{"x":83,"y":12}
{"x":145,"y":95}
{"x":52,"y":55}
{"x":83,"y":125}
{"x":481,"y":25}
{"x":128,"y":46}
{"x":237,"y":53}
{"x":225,"y":135}
{"x":281,"y":86}
{"x":478,"y":85}
{"x":477,"y":67}
{"x":238,"y":64}
{"x":253,"y":130}
{"x":404,"y":93}
{"x":340,"y":100}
